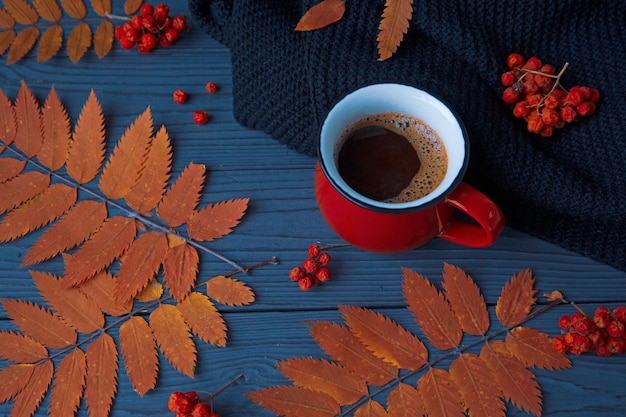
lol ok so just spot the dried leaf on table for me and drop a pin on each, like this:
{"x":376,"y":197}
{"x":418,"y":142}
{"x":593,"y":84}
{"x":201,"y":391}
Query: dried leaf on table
{"x":86,"y":150}
{"x":403,"y":400}
{"x":21,"y":189}
{"x":517,"y":299}
{"x":56,"y":132}
{"x":29,"y":133}
{"x":181,"y":200}
{"x":393,"y":26}
{"x":22,"y":44}
{"x":295,"y":401}
{"x":204,"y":319}
{"x":22,"y":11}
{"x":28,"y":399}
{"x":79,"y":41}
{"x":534,"y":348}
{"x":371,"y":409}
{"x":50,"y":43}
{"x":48,"y":10}
{"x":20,"y":348}
{"x":229,"y":291}
{"x":103,"y":38}
{"x":100,"y":288}
{"x":140,"y":354}
{"x":6,"y":40}
{"x":8,"y":121}
{"x":180,"y":267}
{"x":439,"y":394}
{"x":74,"y":8}
{"x":101,"y":382}
{"x":174,"y":338}
{"x":324,"y":13}
{"x":153,"y":291}
{"x":216,"y":220}
{"x":69,"y":383}
{"x":101,"y":7}
{"x":466,"y":300}
{"x":432,"y":310}
{"x":40,"y":324}
{"x":6,"y":20}
{"x":13,"y":379}
{"x":385,"y":338}
{"x":132,"y":6}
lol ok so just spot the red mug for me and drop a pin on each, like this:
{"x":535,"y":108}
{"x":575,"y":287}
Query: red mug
{"x":391,"y":227}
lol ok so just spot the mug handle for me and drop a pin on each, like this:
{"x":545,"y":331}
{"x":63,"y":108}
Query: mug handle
{"x":487,"y":215}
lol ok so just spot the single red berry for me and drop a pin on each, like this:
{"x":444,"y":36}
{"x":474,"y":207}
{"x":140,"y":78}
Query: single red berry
{"x":568,"y":113}
{"x":603,"y":351}
{"x":514,"y":60}
{"x":594,"y":95}
{"x":305,"y":283}
{"x":581,"y":345}
{"x":310,"y":265}
{"x":534,"y":100}
{"x":575,"y":96}
{"x":534,"y":123}
{"x":558,"y":344}
{"x":324,"y":258}
{"x":529,"y":86}
{"x":598,"y":338}
{"x":119,"y":32}
{"x":201,"y":410}
{"x":149,"y":41}
{"x":193,"y":397}
{"x":296,"y":273}
{"x":126,"y":43}
{"x":565,"y":322}
{"x":150,"y":23}
{"x":507,"y":79}
{"x":586,"y":108}
{"x":179,"y":23}
{"x":533,"y":63}
{"x":550,"y":117}
{"x":546,"y":131}
{"x":133,"y":35}
{"x":313,"y":250}
{"x":179,"y":96}
{"x":183,"y":405}
{"x":510,"y":96}
{"x":171,"y":402}
{"x":602,"y":309}
{"x":164,"y":41}
{"x":137,"y":21}
{"x":551,"y":102}
{"x":200,"y":117}
{"x":322,"y":274}
{"x":601,"y":319}
{"x":521,"y":109}
{"x":620,"y":314}
{"x":615,"y":345}
{"x":615,"y":328}
{"x":146,"y":10}
{"x":171,"y":35}
{"x":584,"y":326}
{"x":162,"y":11}
{"x":568,"y":339}
{"x":211,"y":87}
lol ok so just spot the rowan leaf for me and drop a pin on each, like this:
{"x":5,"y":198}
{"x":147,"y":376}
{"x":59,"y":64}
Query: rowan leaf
{"x":393,"y":26}
{"x":29,"y":133}
{"x":323,"y":14}
{"x":38,"y":211}
{"x":204,"y":319}
{"x":20,"y":348}
{"x":152,"y":291}
{"x":517,"y":299}
{"x":431,"y":310}
{"x":180,"y":267}
{"x":40,"y":324}
{"x":385,"y":338}
{"x":77,"y":225}
{"x":100,"y":288}
{"x":74,"y":307}
{"x":229,"y":291}
{"x":6,"y":20}
{"x":101,"y":382}
{"x":123,"y":168}
{"x":86,"y":150}
{"x":439,"y":394}
{"x":154,"y":175}
{"x":371,"y":409}
{"x":324,"y":376}
{"x":466,"y":300}
{"x":75,"y":8}
{"x":403,"y":401}
{"x":478,"y":388}
{"x":181,"y":200}
{"x":132,"y":6}
{"x":21,"y":189}
{"x":21,"y":11}
{"x":50,"y":43}
{"x":56,"y":132}
{"x":79,"y":41}
{"x":22,"y":44}
{"x":8,"y":120}
{"x":174,"y":338}
{"x":68,"y":385}
{"x":534,"y":348}
{"x":290,"y":401}
{"x":107,"y":244}
{"x":6,"y":39}
{"x":9,"y":169}
{"x":101,"y":7}
{"x":216,"y":220}
{"x":13,"y":379}
{"x":140,"y":264}
{"x":140,"y":354}
{"x":48,"y":10}
{"x":103,"y":38}
{"x":27,"y":401}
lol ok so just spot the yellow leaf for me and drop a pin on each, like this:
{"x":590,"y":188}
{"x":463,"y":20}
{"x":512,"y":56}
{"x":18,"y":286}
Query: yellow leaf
{"x":140,"y":354}
{"x":203,"y":318}
{"x":153,"y":291}
{"x":79,"y":41}
{"x":393,"y":26}
{"x":50,"y":43}
{"x":174,"y":338}
{"x":229,"y":291}
{"x":22,"y":44}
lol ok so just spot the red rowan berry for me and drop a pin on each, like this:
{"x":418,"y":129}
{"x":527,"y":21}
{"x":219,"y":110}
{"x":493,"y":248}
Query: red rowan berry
{"x":119,"y":32}
{"x":322,"y":274}
{"x":126,"y":43}
{"x":162,"y":11}
{"x":146,"y":10}
{"x":534,"y":123}
{"x":558,"y":344}
{"x":521,"y":109}
{"x":615,"y":345}
{"x":137,"y":22}
{"x":581,"y":345}
{"x":296,"y":273}
{"x":586,"y":108}
{"x":211,"y":87}
{"x":568,"y":339}
{"x":149,"y":41}
{"x":201,"y":410}
{"x":149,"y":23}
{"x":549,"y":116}
{"x":551,"y":102}
{"x":193,"y":397}
{"x":179,"y":96}
{"x":533,"y":63}
{"x":575,"y":96}
{"x":310,"y":265}
{"x":534,"y":100}
{"x":603,"y":351}
{"x":200,"y":117}
{"x":529,"y":86}
{"x":547,"y":131}
{"x":565,"y":322}
{"x":597,"y":339}
{"x":615,"y":328}
{"x":171,"y":402}
{"x":324,"y":258}
{"x":594,"y":95}
{"x":164,"y":41}
{"x":179,"y":23}
{"x":313,"y":250}
{"x":620,"y":314}
{"x":305,"y":283}
{"x":507,"y":79}
{"x":183,"y":405}
{"x":583,"y":326}
{"x":601,"y":319}
{"x":568,"y":113}
{"x":171,"y":35}
{"x":514,"y":60}
{"x":602,"y":309}
{"x":510,"y":96}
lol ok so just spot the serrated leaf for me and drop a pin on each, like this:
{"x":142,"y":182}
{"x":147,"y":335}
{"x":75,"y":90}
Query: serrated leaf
{"x":431,"y":310}
{"x":403,"y":401}
{"x":146,"y":193}
{"x":140,"y":264}
{"x":56,"y":132}
{"x":476,"y":383}
{"x":152,"y":291}
{"x":21,"y":11}
{"x":38,"y":211}
{"x":439,"y":394}
{"x":123,"y":168}
{"x":28,"y":399}
{"x":6,"y":20}
{"x":140,"y":354}
{"x":74,"y":307}
{"x":324,"y":376}
{"x":174,"y":338}
{"x":132,"y":6}
{"x":518,"y":384}
{"x":371,"y":409}
{"x":8,"y":120}
{"x":20,"y":348}
{"x":204,"y":319}
{"x":216,"y":220}
{"x":466,"y":300}
{"x":77,"y":225}
{"x":75,"y":8}
{"x":13,"y":379}
{"x":6,"y":40}
{"x":40,"y":324}
{"x":180,"y":267}
{"x":393,"y":26}
{"x":292,"y":401}
{"x":50,"y":43}
{"x":103,"y":38}
{"x":385,"y":338}
{"x":341,"y":345}
{"x":86,"y":150}
{"x":101,"y":7}
{"x":68,"y":385}
{"x":534,"y":348}
{"x":21,"y":189}
{"x":517,"y":299}
{"x":29,"y":133}
{"x":79,"y":41}
{"x":10,"y":168}
{"x":48,"y":10}
{"x":100,"y":288}
{"x":324,"y":13}
{"x":101,"y":382}
{"x":181,"y":200}
{"x":22,"y":44}
{"x":97,"y":253}
{"x":229,"y":291}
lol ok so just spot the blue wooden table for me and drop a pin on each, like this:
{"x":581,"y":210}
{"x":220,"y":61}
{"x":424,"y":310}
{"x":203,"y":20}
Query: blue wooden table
{"x":281,"y":221}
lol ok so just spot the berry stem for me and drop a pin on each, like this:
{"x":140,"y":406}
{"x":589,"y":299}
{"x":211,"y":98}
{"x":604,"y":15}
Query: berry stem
{"x":117,"y":17}
{"x":219,"y":391}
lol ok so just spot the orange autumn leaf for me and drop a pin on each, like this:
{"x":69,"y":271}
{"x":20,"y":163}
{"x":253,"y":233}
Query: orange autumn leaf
{"x":404,"y":401}
{"x":132,"y":6}
{"x":28,"y":399}
{"x":140,"y":354}
{"x":321,"y":15}
{"x":40,"y":324}
{"x":517,"y":299}
{"x":534,"y":348}
{"x":86,"y":149}
{"x":8,"y":121}
{"x":22,"y":44}
{"x":6,"y":38}
{"x":295,"y":401}
{"x":56,"y":132}
{"x":204,"y":319}
{"x":10,"y":168}
{"x":29,"y":134}
{"x":153,"y":291}
{"x":20,"y":348}
{"x":6,"y":20}
{"x":68,"y":385}
{"x":432,"y":310}
{"x":74,"y":8}
{"x":123,"y":168}
{"x":101,"y":382}
{"x":180,"y":267}
{"x":181,"y":200}
{"x":48,"y":10}
{"x":385,"y":338}
{"x":174,"y":338}
{"x":439,"y":394}
{"x":22,"y":11}
{"x":50,"y":43}
{"x":371,"y":409}
{"x":13,"y":379}
{"x":21,"y":189}
{"x":229,"y":291}
{"x":103,"y":38}
{"x":216,"y":220}
{"x":393,"y":26}
{"x":465,"y":299}
{"x":78,"y":42}
{"x":101,"y":7}
{"x":100,"y":288}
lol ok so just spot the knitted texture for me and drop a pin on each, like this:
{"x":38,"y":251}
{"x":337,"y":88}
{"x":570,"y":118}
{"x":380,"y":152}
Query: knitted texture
{"x":569,"y":189}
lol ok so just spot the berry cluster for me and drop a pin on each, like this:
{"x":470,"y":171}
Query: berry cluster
{"x":189,"y":405}
{"x":604,"y":333}
{"x":314,"y":269}
{"x":151,"y":27}
{"x":538,"y":97}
